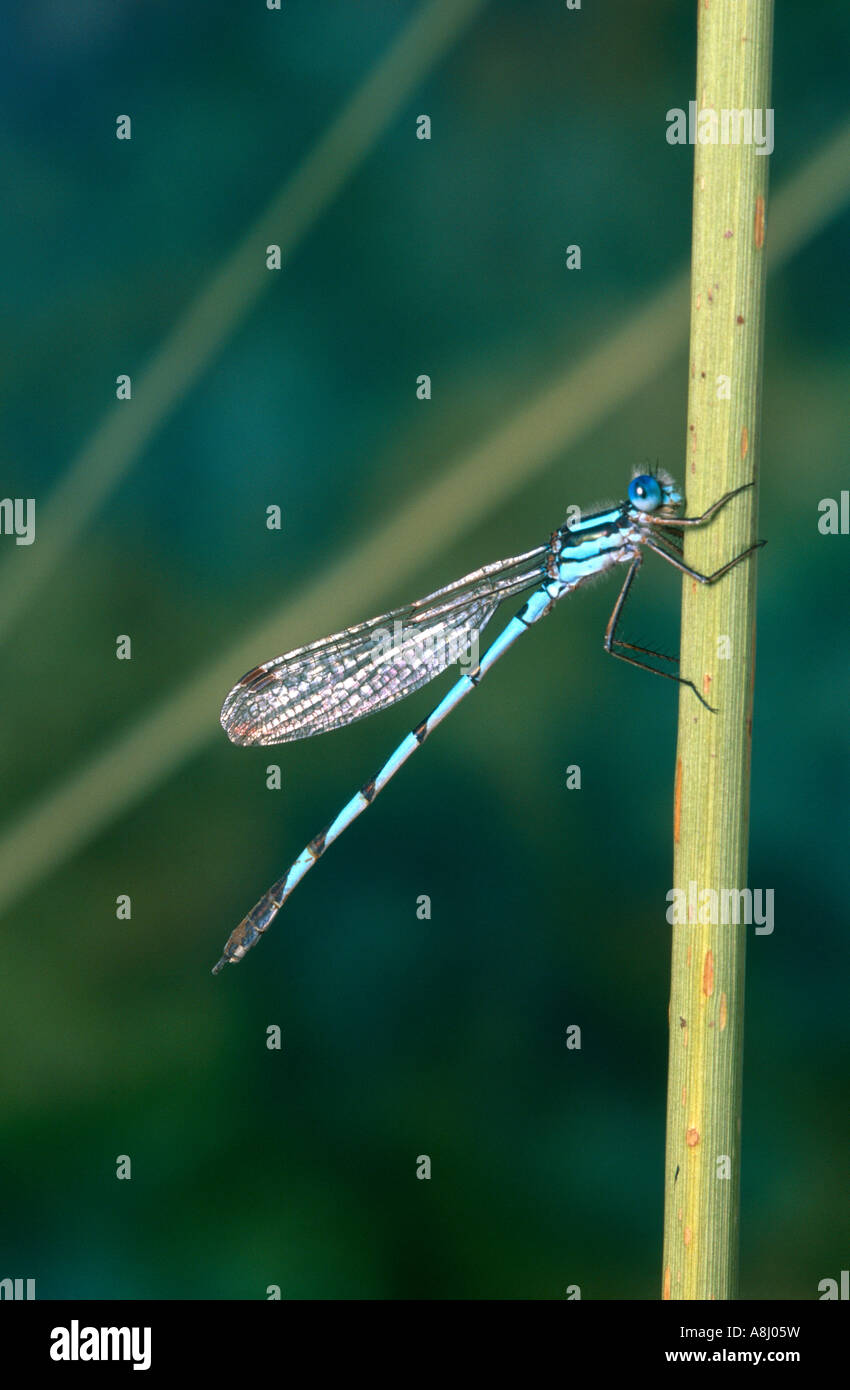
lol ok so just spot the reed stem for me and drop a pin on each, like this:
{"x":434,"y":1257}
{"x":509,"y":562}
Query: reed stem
{"x":711,"y":812}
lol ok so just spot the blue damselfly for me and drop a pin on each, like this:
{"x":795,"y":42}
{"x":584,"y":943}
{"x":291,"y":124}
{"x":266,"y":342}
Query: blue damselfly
{"x":339,"y":679}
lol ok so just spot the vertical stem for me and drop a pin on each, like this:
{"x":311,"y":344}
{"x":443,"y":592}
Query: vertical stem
{"x":713,"y":754}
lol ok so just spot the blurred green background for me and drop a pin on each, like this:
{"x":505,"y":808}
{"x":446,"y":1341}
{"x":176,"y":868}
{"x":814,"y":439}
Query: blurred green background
{"x":400,"y":1037}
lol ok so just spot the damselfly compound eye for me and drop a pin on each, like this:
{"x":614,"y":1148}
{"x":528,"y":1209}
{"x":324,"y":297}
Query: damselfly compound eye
{"x":645,"y":493}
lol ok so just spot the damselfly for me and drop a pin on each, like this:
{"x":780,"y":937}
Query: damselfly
{"x":339,"y":679}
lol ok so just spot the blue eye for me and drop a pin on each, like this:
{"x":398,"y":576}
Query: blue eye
{"x":645,"y":493}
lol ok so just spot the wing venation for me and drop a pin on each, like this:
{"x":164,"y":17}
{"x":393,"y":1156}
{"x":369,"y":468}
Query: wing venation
{"x":344,"y":677}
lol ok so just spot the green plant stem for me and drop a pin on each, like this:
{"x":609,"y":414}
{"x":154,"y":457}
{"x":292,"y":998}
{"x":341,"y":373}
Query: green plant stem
{"x":711,"y":812}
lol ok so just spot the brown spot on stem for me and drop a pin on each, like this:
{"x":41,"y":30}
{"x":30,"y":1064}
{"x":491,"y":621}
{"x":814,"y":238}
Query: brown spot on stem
{"x":687,"y":1236}
{"x":724,"y":1012}
{"x":677,"y":801}
{"x":692,"y":1137}
{"x":758,"y":229}
{"x":698,"y":303}
{"x":740,"y":318}
{"x":745,"y":442}
{"x":706,"y":683}
{"x":665,"y":1292}
{"x":684,"y":1096}
{"x":708,"y":974}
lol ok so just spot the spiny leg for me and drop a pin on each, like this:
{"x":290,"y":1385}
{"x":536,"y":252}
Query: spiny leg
{"x":610,"y":641}
{"x":647,"y":651}
{"x":679,"y":564}
{"x":707,"y":514}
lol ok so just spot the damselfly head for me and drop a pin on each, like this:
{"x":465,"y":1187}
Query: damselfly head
{"x":654,"y":493}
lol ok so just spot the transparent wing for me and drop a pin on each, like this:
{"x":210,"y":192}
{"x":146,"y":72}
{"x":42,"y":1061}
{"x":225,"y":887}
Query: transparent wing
{"x":362,"y":669}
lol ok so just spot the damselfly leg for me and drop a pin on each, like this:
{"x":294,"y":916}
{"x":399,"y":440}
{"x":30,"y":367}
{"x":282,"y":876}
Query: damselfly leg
{"x":679,"y":564}
{"x":676,"y":521}
{"x":611,"y":641}
{"x":663,"y":547}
